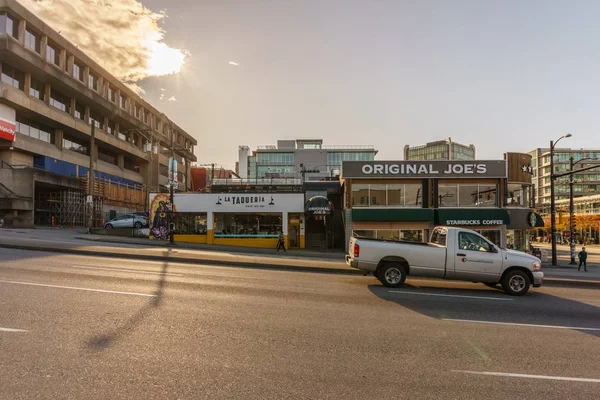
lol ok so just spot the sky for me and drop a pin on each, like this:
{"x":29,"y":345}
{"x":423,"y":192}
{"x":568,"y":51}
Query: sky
{"x":502,"y":75}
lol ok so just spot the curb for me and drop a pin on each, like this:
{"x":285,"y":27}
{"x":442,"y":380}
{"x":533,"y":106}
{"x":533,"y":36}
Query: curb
{"x":181,"y":260}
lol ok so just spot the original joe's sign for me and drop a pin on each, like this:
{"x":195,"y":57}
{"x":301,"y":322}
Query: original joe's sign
{"x":424,"y":169}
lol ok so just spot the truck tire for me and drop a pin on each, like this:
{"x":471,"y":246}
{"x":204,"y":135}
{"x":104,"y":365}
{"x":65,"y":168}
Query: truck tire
{"x":516,"y":282}
{"x":391,"y":275}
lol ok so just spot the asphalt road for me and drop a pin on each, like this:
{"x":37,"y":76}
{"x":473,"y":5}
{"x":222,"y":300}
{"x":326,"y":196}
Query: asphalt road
{"x":75,"y":327}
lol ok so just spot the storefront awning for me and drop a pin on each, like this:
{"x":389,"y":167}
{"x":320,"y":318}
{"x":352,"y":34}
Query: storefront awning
{"x":395,"y":215}
{"x":318,"y":205}
{"x":536,"y":220}
{"x":472,"y":216}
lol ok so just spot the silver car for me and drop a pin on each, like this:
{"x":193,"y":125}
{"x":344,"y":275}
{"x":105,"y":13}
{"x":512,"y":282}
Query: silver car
{"x":127,"y":221}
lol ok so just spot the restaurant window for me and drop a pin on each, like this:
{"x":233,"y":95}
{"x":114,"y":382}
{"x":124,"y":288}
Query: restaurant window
{"x":364,"y":233}
{"x":190,"y":223}
{"x":34,"y":130}
{"x":107,"y":156}
{"x":517,"y":195}
{"x":13,"y":76}
{"x":467,"y":195}
{"x":73,"y":144}
{"x":378,"y":195}
{"x":80,"y":111}
{"x":9,"y":25}
{"x":360,"y":195}
{"x":32,"y":40}
{"x":59,"y":100}
{"x":493,"y":235}
{"x":410,"y":235}
{"x":36,"y":89}
{"x":248,"y":225}
{"x":395,"y":195}
{"x":413,"y":196}
{"x":447,"y":196}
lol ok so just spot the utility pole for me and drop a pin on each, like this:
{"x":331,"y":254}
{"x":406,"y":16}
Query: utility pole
{"x":571,"y":213}
{"x":171,"y":194}
{"x":91,"y":180}
{"x":552,"y":205}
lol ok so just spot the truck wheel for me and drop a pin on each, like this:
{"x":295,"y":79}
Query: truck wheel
{"x":392,"y":275}
{"x":516,"y":283}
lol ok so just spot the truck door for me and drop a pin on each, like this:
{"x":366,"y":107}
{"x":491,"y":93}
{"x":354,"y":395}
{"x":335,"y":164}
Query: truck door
{"x":476,"y":259}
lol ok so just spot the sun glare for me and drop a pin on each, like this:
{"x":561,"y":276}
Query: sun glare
{"x":163,"y":60}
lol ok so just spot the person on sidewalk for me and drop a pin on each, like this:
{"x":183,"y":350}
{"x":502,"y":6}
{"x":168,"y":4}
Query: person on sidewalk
{"x":281,"y":243}
{"x":582,"y":259}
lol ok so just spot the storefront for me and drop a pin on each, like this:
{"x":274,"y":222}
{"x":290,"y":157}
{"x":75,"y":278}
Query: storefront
{"x":404,"y":200}
{"x":244,"y":219}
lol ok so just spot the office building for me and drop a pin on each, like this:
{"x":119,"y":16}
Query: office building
{"x":586,"y":183}
{"x":440,"y":150}
{"x":51,"y":93}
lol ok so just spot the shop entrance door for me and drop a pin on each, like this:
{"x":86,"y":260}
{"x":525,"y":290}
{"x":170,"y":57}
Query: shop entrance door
{"x":294,"y":234}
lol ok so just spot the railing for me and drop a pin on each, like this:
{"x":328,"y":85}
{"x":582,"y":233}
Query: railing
{"x":347,"y":147}
{"x":4,"y":164}
{"x":270,"y":147}
{"x":260,"y":181}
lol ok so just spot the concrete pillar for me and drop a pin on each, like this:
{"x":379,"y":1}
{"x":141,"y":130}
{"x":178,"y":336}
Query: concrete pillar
{"x":94,"y":153}
{"x":87,"y":115}
{"x":121,"y":160}
{"x":62,"y":60}
{"x":118,"y":97}
{"x":116,"y":132}
{"x":70,"y":63}
{"x":43,"y":47}
{"x":210,"y":235}
{"x":58,"y":139}
{"x":22,"y":28}
{"x":27,"y":83}
{"x":86,"y":75}
{"x":105,"y":124}
{"x":140,"y":142}
{"x":47,"y":91}
{"x":72,"y":104}
{"x":101,"y":86}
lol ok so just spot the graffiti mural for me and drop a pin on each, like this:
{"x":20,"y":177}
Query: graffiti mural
{"x":159,"y":211}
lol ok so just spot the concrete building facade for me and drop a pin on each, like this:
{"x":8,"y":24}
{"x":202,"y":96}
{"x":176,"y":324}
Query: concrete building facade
{"x":440,"y":150}
{"x":51,"y":93}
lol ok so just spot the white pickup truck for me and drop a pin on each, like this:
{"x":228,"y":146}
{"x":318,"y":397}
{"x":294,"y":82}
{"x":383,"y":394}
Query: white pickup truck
{"x":452,"y":253}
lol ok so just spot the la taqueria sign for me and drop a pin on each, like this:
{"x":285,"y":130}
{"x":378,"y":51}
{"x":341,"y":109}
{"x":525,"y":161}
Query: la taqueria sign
{"x":424,"y":169}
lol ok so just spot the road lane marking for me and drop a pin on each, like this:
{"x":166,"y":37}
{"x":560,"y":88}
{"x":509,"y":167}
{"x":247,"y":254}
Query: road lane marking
{"x":132,"y":271}
{"x":528,"y":325}
{"x":12,"y":330}
{"x":451,"y":295}
{"x":547,"y":377}
{"x":77,"y":288}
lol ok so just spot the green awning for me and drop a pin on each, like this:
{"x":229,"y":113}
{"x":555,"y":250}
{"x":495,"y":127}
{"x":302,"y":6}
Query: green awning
{"x":472,"y":216}
{"x":395,"y":214}
{"x":539,"y":221}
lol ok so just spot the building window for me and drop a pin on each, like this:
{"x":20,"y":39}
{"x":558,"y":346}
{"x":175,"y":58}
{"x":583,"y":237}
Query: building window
{"x":107,"y":156}
{"x":518,"y":195}
{"x":163,"y":169}
{"x":96,"y":119}
{"x":32,"y":41}
{"x":467,"y":195}
{"x":275,"y":158}
{"x":37,"y":89}
{"x":59,"y":100}
{"x":9,"y":25}
{"x":129,"y":164}
{"x":13,"y":76}
{"x":34,"y":130}
{"x":247,"y":225}
{"x":190,"y":223}
{"x":110,"y":128}
{"x":378,"y":195}
{"x":78,"y":72}
{"x":122,"y":101}
{"x":80,"y":111}
{"x":122,"y":136}
{"x":52,"y":55}
{"x":112,"y":95}
{"x":72,"y":144}
{"x":92,"y":81}
{"x":410,"y":235}
{"x":396,"y":195}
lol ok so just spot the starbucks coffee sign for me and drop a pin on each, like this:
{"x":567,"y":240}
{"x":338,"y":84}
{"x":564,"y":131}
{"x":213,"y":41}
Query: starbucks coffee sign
{"x":424,"y":169}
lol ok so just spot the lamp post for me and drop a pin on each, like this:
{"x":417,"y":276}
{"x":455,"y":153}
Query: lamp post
{"x":552,"y":200}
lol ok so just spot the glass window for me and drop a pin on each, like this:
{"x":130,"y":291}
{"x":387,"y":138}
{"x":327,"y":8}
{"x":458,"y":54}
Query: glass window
{"x":245,"y":225}
{"x":364,"y":233}
{"x":72,"y":144}
{"x":34,"y":130}
{"x":32,"y":40}
{"x":92,"y":81}
{"x":9,"y":25}
{"x":471,"y":242}
{"x":395,"y":195}
{"x":468,"y":196}
{"x":378,"y":195}
{"x":59,"y":100}
{"x":412,"y":235}
{"x":129,"y":164}
{"x":37,"y":89}
{"x":96,"y":119}
{"x":13,"y":76}
{"x":517,"y":195}
{"x":107,"y":156}
{"x":413,"y":195}
{"x":78,"y":72}
{"x":112,"y":95}
{"x":52,"y":54}
{"x":448,"y":195}
{"x":190,"y":223}
{"x":79,"y":111}
{"x":488,"y":195}
{"x":360,"y":195}
{"x":122,"y":101}
{"x":388,"y":234}
{"x":439,"y":237}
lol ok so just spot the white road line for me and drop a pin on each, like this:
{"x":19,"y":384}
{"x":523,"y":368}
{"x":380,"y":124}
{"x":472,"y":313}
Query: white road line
{"x":450,"y":295}
{"x":77,"y":288}
{"x":12,"y":330}
{"x":528,"y":325}
{"x":132,"y":271}
{"x":552,"y":378}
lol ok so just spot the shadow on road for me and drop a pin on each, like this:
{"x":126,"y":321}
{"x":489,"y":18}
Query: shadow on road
{"x":483,"y":304}
{"x":104,"y":341}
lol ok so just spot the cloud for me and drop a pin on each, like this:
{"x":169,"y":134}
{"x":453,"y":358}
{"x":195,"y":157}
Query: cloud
{"x":121,"y":35}
{"x":172,"y":99}
{"x":234,"y":63}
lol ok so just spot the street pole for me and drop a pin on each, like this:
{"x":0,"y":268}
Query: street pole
{"x":91,"y":179}
{"x":571,"y":213}
{"x":171,"y":194}
{"x":147,"y":200}
{"x":552,"y":205}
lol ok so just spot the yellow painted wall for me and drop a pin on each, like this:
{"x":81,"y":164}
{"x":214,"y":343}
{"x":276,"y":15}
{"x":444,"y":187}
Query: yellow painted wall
{"x":210,"y":236}
{"x":265,"y":243}
{"x":190,"y":238}
{"x":302,"y":241}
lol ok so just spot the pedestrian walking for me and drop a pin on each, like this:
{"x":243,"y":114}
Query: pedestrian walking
{"x":281,"y":242}
{"x":582,"y":259}
{"x":1,"y":222}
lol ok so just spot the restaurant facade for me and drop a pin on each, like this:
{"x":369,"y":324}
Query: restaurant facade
{"x":405,"y":200}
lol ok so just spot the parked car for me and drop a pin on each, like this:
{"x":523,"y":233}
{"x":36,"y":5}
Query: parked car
{"x":135,"y":220}
{"x":452,"y":253}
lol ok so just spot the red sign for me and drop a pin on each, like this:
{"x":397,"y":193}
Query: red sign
{"x":7,"y":129}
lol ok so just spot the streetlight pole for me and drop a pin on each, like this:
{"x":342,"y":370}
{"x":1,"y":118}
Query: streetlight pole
{"x":552,"y":200}
{"x":171,"y":194}
{"x":571,"y":211}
